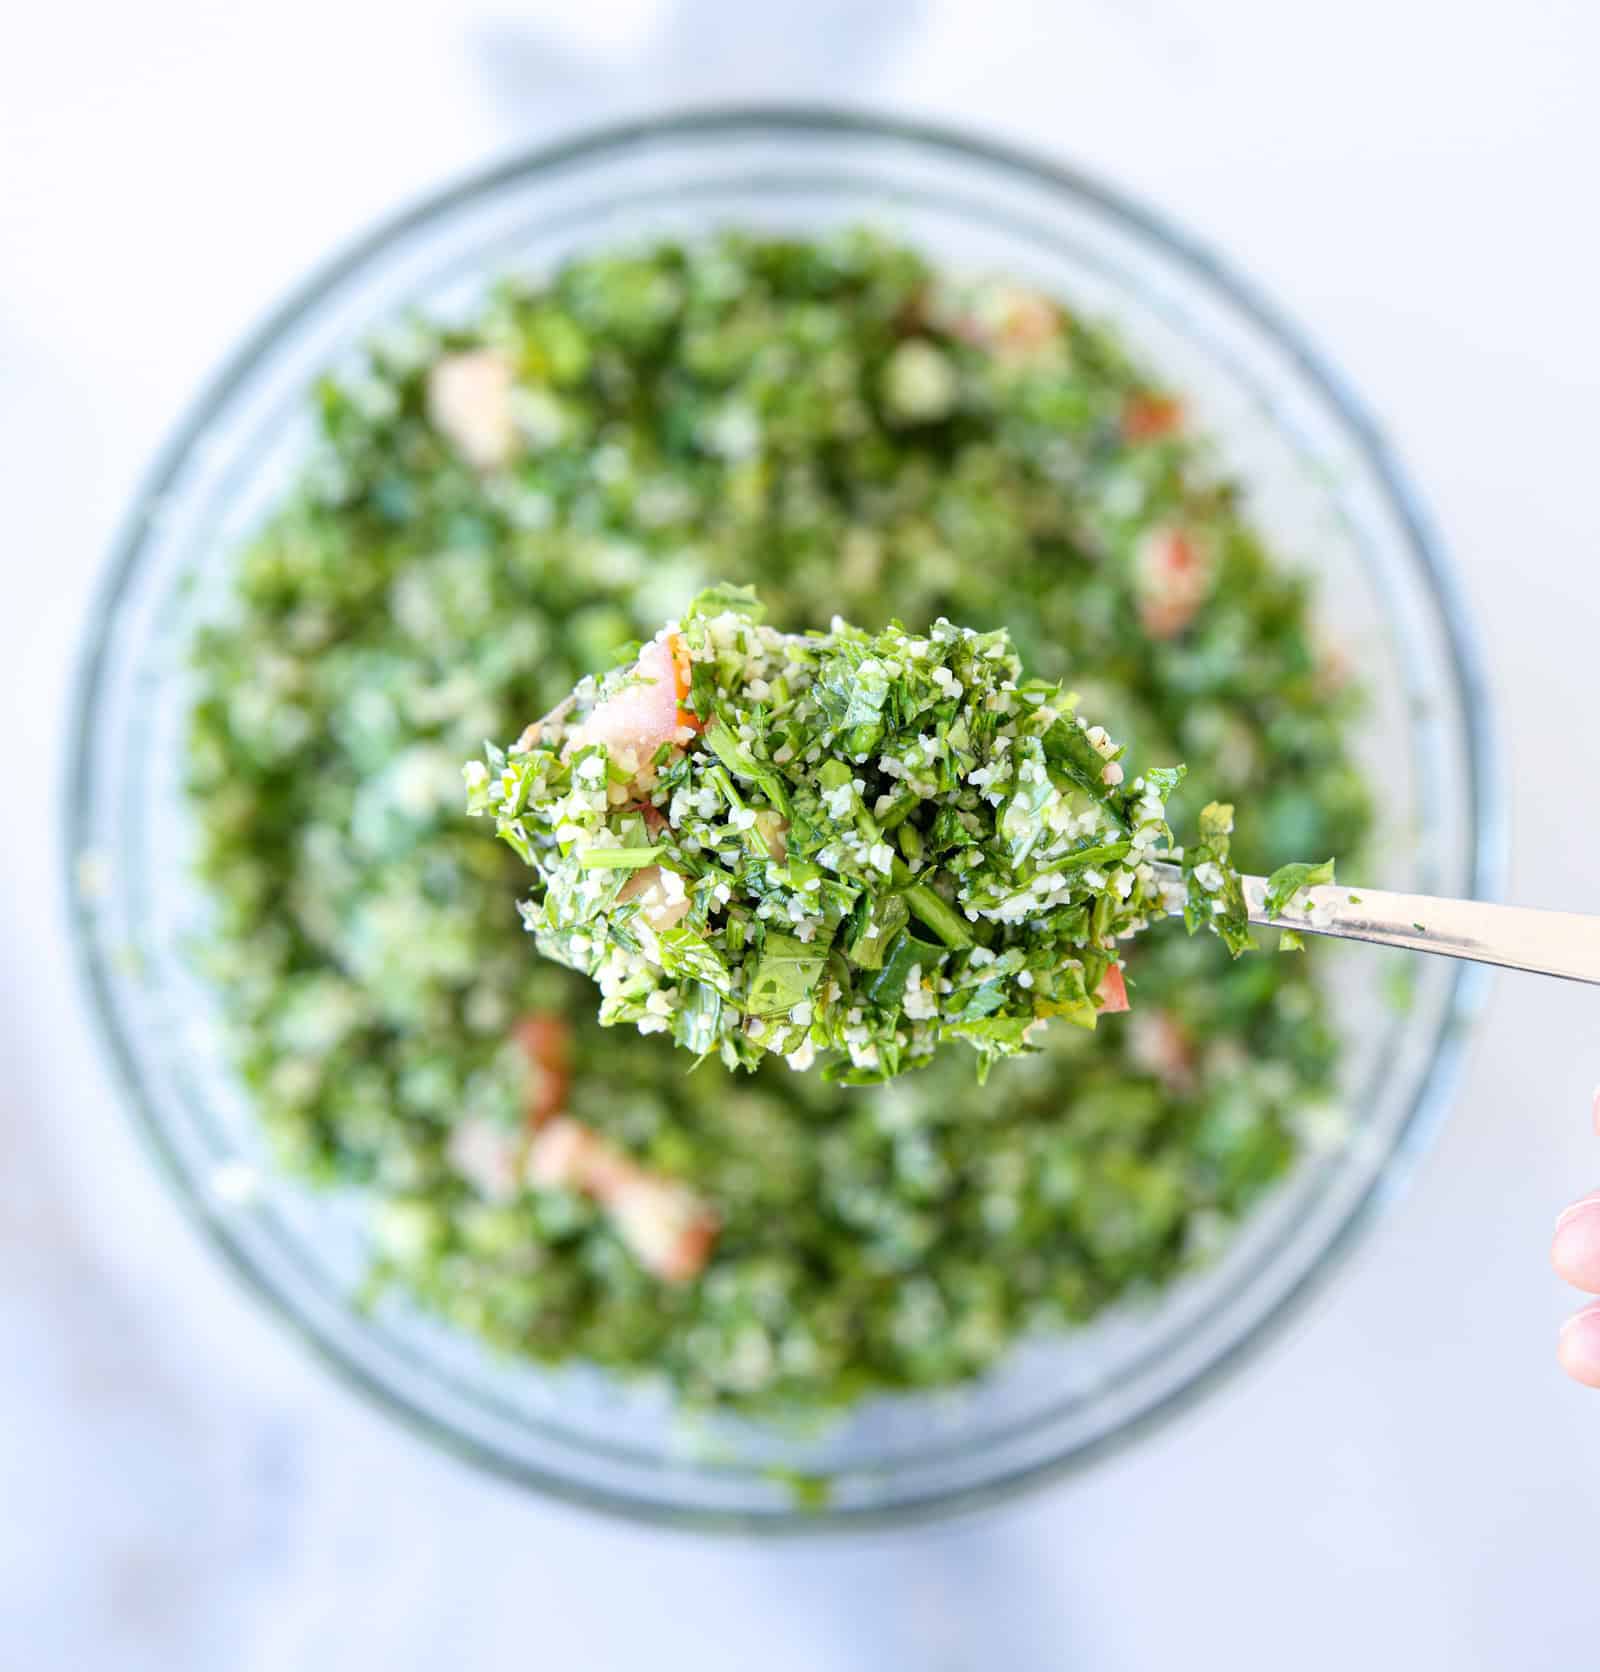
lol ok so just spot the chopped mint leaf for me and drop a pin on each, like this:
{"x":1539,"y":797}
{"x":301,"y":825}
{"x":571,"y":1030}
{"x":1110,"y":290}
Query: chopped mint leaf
{"x":787,"y":973}
{"x":1288,"y":880}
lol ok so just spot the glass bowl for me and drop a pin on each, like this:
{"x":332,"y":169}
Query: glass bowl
{"x":1324,"y":488}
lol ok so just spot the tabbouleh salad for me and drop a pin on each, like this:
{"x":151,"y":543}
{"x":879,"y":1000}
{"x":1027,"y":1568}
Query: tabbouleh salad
{"x":496,"y":508}
{"x":858,"y":846}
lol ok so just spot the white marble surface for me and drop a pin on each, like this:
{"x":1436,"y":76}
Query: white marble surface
{"x":1406,"y":1481}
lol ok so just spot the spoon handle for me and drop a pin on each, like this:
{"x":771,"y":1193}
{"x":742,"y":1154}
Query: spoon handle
{"x":1518,"y":937}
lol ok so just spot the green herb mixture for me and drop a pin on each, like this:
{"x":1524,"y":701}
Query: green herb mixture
{"x":497,"y":508}
{"x":860,"y":845}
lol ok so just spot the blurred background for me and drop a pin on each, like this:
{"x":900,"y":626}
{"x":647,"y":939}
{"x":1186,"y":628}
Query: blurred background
{"x":1405,"y":1478}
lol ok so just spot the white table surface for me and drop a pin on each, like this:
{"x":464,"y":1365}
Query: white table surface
{"x":1404,"y":1482}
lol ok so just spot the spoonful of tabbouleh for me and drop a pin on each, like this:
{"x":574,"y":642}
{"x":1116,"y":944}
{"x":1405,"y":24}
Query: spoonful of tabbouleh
{"x":845,"y":848}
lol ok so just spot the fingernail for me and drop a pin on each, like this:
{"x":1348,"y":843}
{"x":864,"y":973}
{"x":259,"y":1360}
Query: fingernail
{"x":1575,"y":1248}
{"x":1578,"y":1206}
{"x":1578,"y":1347}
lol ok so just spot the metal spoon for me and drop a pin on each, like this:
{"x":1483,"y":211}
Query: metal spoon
{"x":1518,"y":937}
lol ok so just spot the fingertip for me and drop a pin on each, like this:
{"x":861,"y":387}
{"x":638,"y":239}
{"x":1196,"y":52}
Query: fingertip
{"x":1578,"y":1348}
{"x":1575,"y":1246}
{"x":1594,"y":1110}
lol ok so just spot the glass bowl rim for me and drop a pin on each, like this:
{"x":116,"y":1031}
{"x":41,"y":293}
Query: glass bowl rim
{"x":1487,"y":824}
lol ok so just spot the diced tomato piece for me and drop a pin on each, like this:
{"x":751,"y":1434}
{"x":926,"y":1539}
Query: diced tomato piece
{"x":1172,"y":576}
{"x":1113,"y":991}
{"x":1013,"y":323}
{"x":667,"y":1228}
{"x":1158,"y":1043}
{"x":566,"y":1155}
{"x":1029,"y":323}
{"x":1151,"y":417}
{"x":547,"y":1042}
{"x":647,"y":712}
{"x":468,"y":401}
{"x":683,"y":681}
